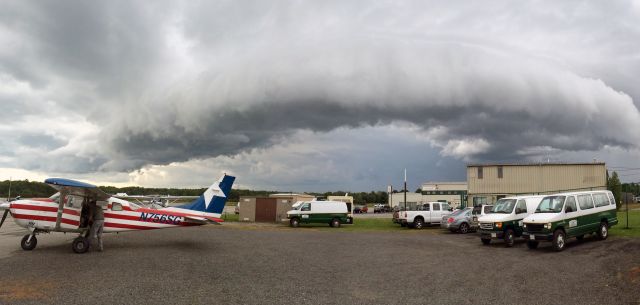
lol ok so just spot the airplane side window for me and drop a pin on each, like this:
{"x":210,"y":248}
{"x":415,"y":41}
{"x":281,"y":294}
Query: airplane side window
{"x":116,"y":206}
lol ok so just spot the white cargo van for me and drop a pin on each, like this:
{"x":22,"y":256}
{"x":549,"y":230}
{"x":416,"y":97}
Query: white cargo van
{"x":334,"y":213}
{"x":505,"y":220}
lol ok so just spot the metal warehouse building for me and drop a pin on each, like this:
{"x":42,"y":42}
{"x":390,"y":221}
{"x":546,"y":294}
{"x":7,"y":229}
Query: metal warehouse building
{"x":269,"y":209}
{"x":490,"y":182}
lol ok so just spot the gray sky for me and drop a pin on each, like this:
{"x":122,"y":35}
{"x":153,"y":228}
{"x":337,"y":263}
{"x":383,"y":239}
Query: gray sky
{"x":313,"y":95}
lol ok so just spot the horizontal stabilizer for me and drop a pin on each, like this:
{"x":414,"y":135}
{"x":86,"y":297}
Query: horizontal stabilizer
{"x":202,"y":220}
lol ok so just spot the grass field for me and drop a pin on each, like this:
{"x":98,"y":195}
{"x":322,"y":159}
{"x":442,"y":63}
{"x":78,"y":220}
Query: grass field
{"x":634,"y":225}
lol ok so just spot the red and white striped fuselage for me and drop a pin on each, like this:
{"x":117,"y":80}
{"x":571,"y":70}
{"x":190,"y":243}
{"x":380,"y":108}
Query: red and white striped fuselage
{"x":41,"y":214}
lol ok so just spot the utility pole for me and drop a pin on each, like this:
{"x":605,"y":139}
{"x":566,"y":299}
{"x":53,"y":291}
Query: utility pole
{"x":405,"y":189}
{"x":627,"y":213}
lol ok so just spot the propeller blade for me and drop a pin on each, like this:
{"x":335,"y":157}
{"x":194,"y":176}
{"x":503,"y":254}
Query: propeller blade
{"x":4,"y":216}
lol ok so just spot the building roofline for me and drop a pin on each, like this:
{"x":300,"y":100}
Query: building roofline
{"x":535,"y":164}
{"x":440,"y":182}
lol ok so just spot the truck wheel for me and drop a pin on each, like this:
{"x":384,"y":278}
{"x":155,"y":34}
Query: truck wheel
{"x":464,"y":228}
{"x":294,"y":222}
{"x":558,"y":240}
{"x":418,"y":223}
{"x":335,"y":223}
{"x":485,"y":241}
{"x":80,"y":245}
{"x":532,"y":244}
{"x":603,"y":232}
{"x":28,"y":246}
{"x":509,"y":238}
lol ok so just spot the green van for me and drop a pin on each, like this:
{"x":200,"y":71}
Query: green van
{"x":567,"y":215}
{"x":334,"y":213}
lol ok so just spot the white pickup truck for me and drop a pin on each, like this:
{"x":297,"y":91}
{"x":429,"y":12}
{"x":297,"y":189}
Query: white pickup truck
{"x":425,"y":214}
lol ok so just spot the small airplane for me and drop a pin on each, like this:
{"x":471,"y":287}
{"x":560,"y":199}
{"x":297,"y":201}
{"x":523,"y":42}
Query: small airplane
{"x":68,"y":211}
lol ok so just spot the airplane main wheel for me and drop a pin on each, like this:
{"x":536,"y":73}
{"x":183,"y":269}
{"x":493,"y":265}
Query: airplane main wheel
{"x":80,"y":245}
{"x":27,"y":244}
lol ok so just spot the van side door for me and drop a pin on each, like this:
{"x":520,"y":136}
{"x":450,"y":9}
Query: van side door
{"x":571,"y":216}
{"x":521,"y":212}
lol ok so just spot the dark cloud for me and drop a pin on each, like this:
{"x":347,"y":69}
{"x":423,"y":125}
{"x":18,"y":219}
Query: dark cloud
{"x":171,"y":82}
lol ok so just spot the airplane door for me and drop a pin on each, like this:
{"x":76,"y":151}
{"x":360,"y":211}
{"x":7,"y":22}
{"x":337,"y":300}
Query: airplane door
{"x":72,"y":212}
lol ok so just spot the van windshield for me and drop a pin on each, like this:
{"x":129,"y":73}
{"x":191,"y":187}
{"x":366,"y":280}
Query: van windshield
{"x":551,"y":204}
{"x":504,"y":206}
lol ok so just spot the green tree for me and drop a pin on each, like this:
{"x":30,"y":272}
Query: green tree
{"x":614,"y":185}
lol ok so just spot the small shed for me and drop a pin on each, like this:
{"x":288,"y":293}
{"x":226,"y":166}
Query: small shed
{"x":269,"y":209}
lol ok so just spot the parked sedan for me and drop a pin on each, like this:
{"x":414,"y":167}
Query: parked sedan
{"x":459,"y":220}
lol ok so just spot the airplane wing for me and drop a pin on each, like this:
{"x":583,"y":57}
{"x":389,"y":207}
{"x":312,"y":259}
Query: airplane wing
{"x":77,"y":188}
{"x":203,"y":220}
{"x":150,"y":197}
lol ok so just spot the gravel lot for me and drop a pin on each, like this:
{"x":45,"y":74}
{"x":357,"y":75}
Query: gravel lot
{"x":264,"y":264}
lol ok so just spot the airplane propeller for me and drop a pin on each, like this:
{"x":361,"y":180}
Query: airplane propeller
{"x":4,"y":216}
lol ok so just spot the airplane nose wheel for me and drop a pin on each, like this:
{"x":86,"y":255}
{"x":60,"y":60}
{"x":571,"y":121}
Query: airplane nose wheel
{"x":29,"y":242}
{"x":80,"y":245}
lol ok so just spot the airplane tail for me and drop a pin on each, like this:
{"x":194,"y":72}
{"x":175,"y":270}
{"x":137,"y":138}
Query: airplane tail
{"x":214,"y":198}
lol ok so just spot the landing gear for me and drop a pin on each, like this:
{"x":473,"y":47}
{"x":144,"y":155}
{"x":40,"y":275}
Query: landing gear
{"x":80,"y":244}
{"x":29,"y":242}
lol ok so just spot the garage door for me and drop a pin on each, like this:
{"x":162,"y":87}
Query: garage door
{"x":265,"y":209}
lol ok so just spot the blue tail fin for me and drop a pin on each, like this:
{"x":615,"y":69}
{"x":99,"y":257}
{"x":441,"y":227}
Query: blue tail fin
{"x":214,"y":198}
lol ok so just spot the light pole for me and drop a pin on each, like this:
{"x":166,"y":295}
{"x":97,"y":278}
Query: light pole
{"x":405,"y":189}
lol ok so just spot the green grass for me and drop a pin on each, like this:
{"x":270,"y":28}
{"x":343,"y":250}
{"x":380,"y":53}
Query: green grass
{"x":634,"y":225}
{"x":230,"y":217}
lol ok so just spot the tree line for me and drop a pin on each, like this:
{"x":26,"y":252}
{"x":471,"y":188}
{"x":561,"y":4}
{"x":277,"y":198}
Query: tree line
{"x":33,"y":189}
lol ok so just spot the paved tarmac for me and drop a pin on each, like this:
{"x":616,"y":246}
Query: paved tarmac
{"x":269,"y":264}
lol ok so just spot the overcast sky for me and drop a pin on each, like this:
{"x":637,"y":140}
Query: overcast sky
{"x":314,"y":95}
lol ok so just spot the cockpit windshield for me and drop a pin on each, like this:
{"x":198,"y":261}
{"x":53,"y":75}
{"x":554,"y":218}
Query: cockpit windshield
{"x":504,"y":206}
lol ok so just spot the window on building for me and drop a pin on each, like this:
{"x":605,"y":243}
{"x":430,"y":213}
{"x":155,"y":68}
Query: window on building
{"x":480,"y":172}
{"x":499,"y":172}
{"x":585,"y":202}
{"x":478,"y":201}
{"x":571,"y":205}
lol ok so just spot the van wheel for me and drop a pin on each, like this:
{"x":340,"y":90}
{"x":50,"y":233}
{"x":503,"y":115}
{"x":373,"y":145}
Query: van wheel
{"x":532,"y":244}
{"x":294,"y":222}
{"x":558,"y":240}
{"x":28,"y":246}
{"x":335,"y":223}
{"x":418,"y":223}
{"x":464,"y":228}
{"x":603,"y":232}
{"x":509,"y":238}
{"x":485,"y":241}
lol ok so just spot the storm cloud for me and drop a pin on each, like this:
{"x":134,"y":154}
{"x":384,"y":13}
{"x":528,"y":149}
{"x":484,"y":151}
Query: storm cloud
{"x":154,"y":84}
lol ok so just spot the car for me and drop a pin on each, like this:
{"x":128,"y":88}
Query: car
{"x":381,"y":208}
{"x":425,"y":214}
{"x":566,"y":215}
{"x":358,"y":209}
{"x":335,"y":213}
{"x":458,"y":221}
{"x":505,"y":220}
